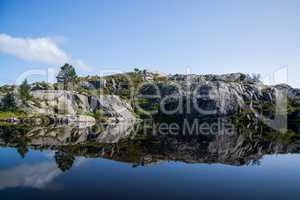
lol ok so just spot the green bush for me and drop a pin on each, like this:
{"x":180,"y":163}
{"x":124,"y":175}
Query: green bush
{"x":99,"y":114}
{"x":9,"y":103}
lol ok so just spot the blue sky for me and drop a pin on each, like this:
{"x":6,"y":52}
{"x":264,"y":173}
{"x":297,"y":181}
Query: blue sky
{"x":257,"y":36}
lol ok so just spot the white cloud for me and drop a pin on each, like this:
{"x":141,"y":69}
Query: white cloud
{"x":44,"y":50}
{"x":35,"y":176}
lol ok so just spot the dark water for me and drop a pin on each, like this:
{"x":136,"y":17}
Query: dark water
{"x":58,"y":164}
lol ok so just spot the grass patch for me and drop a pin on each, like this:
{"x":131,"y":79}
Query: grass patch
{"x":7,"y":115}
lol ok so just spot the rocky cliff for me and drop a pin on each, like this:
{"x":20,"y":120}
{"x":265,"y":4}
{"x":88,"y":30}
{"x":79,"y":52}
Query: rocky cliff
{"x":191,"y":96}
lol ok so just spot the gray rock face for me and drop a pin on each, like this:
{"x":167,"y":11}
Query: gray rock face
{"x":207,"y":98}
{"x":93,"y":85}
{"x":71,"y":103}
{"x":199,"y":95}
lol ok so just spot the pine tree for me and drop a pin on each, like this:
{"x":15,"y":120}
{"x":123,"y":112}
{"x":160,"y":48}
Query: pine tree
{"x":66,"y":75}
{"x":9,"y":102}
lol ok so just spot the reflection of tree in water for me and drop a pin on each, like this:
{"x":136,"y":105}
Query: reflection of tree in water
{"x":64,"y":160}
{"x":22,"y":150}
{"x":16,"y":135}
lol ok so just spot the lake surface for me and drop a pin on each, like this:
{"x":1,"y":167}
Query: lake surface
{"x":42,"y":165}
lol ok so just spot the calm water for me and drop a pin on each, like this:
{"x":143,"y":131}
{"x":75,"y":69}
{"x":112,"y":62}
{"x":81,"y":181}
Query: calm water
{"x":36,"y":165}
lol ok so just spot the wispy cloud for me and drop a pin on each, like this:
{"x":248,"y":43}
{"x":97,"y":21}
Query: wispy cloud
{"x":32,"y":175}
{"x":44,"y":50}
{"x":81,"y":65}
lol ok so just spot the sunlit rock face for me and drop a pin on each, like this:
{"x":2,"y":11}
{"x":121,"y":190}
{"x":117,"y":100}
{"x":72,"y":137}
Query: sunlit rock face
{"x":71,"y":103}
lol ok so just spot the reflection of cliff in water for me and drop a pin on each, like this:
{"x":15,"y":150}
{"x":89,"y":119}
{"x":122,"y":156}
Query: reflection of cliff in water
{"x":243,"y":147}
